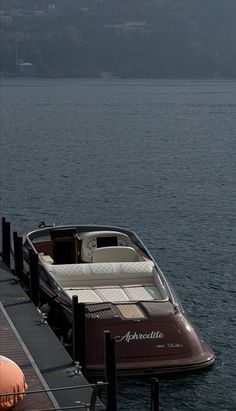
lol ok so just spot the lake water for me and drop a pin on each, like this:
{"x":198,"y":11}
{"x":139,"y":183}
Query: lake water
{"x":158,"y":157}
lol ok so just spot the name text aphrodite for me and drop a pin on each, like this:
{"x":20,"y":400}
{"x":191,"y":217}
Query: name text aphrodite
{"x":128,"y":337}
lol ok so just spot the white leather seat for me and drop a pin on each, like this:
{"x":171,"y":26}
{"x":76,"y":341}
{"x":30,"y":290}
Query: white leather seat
{"x":115,"y":254}
{"x":76,"y":275}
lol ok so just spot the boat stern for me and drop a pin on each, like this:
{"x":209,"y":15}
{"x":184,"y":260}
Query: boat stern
{"x":155,"y":344}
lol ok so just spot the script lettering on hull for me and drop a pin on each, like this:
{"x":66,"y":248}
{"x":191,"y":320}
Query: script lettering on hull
{"x":129,"y":337}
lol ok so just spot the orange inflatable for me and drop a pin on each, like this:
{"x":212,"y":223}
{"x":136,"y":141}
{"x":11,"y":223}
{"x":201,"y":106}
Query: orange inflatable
{"x":12,"y":380}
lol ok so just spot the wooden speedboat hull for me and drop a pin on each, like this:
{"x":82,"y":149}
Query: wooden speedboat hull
{"x":153,"y":347}
{"x":152,"y":332}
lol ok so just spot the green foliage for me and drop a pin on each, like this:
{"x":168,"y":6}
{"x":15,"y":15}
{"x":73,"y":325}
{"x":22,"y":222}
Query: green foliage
{"x":128,"y":38}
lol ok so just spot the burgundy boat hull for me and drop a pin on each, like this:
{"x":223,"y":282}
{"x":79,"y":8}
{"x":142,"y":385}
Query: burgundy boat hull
{"x":152,"y":336}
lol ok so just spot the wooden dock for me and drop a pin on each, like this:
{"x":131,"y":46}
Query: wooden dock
{"x":28,"y":340}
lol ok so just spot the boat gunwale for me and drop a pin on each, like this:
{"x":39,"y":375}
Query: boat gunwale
{"x":132,"y":235}
{"x":167,"y":370}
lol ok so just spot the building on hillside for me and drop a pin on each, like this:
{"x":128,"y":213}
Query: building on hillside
{"x":26,"y":69}
{"x":5,"y":19}
{"x":51,"y":6}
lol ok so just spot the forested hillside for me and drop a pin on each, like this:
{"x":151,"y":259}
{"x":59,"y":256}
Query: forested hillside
{"x":124,"y":38}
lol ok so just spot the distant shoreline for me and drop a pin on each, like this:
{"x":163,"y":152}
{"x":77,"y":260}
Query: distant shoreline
{"x":58,"y":77}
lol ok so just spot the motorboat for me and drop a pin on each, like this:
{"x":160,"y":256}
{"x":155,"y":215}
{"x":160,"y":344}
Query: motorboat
{"x":112,"y":272}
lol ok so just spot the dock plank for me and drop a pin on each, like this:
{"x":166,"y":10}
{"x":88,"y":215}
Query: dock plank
{"x":44,"y":349}
{"x":12,"y":348}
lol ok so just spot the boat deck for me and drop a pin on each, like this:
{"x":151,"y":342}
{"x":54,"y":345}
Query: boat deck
{"x":30,"y":342}
{"x":109,"y":282}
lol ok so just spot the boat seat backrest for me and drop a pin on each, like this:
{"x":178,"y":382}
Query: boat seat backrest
{"x":90,"y":242}
{"x":76,"y":275}
{"x":114,"y":254}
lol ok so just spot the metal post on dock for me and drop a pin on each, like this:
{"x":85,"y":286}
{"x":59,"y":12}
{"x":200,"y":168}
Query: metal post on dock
{"x":96,"y":392}
{"x":79,"y":347}
{"x":110,"y":371}
{"x":34,"y":277}
{"x":18,"y":256}
{"x":154,"y":394}
{"x":6,"y":242}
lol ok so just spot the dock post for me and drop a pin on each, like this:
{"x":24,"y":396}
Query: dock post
{"x":154,"y":394}
{"x":79,"y":347}
{"x":96,"y":392}
{"x":34,"y":278}
{"x":110,"y":371}
{"x":18,"y":256}
{"x":6,"y":242}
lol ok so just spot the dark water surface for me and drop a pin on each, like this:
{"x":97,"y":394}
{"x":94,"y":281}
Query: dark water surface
{"x":158,"y":157}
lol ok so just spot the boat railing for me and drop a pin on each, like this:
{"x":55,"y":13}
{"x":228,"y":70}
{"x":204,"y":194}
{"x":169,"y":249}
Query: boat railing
{"x":92,"y":405}
{"x":144,"y":248}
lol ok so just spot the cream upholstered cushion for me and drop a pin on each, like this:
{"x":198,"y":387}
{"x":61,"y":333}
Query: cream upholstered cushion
{"x":76,"y":275}
{"x":114,"y":254}
{"x":145,"y":292}
{"x":115,"y":293}
{"x":46,"y":259}
{"x":85,"y":294}
{"x":112,"y":293}
{"x":90,"y":239}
